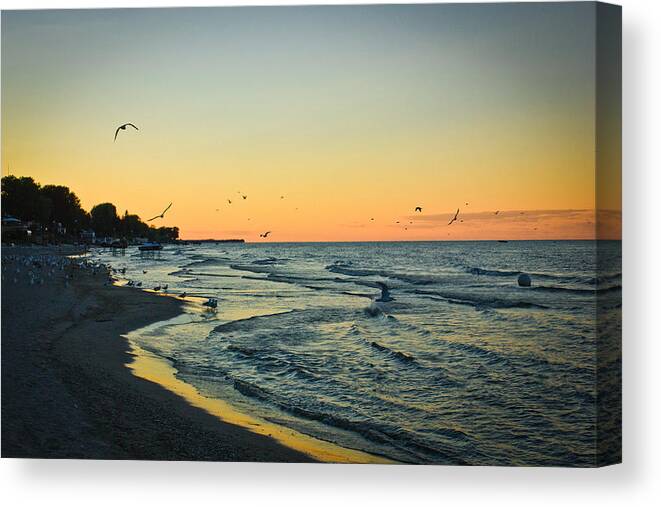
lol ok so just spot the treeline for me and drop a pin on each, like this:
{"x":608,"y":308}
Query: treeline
{"x":57,"y":209}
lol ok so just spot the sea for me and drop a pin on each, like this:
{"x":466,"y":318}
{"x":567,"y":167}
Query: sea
{"x":459,"y":365}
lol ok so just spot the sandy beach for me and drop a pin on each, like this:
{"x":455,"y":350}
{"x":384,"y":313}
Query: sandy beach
{"x":66,"y":392}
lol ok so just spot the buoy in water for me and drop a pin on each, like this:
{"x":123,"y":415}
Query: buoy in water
{"x":524,"y":280}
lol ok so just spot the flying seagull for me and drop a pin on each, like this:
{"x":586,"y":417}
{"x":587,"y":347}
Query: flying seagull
{"x":265,"y":235}
{"x":418,"y":208}
{"x":123,"y":127}
{"x":454,"y":219}
{"x":244,"y":197}
{"x":161,"y":215}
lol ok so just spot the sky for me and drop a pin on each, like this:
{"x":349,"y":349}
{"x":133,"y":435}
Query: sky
{"x":335,"y":122}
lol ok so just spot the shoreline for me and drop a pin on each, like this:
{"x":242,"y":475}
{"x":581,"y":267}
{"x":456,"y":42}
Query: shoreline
{"x":67,"y":390}
{"x":157,"y":369}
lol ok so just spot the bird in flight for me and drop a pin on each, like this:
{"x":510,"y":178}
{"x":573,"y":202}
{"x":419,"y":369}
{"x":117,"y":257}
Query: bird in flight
{"x":123,"y":127}
{"x":418,"y":208}
{"x":244,"y":197}
{"x":454,"y":219}
{"x":265,"y":235}
{"x":162,"y":214}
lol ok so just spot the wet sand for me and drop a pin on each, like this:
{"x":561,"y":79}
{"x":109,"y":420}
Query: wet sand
{"x":66,"y":392}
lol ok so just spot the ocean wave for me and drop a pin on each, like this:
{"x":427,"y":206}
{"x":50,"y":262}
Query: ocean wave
{"x":572,"y":290}
{"x":554,"y":277}
{"x":268,"y":261}
{"x":216,"y":261}
{"x":605,"y":278}
{"x":346,"y":270}
{"x":414,"y":279}
{"x":491,"y":272}
{"x":493,"y":357}
{"x":480,"y":303}
{"x":252,"y":268}
{"x":278,"y":365}
{"x":379,"y":433}
{"x":237,"y":324}
{"x":183,"y":273}
{"x":393,"y":353}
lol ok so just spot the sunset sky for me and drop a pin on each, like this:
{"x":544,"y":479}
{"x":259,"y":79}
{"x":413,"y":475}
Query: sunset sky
{"x":350,"y":113}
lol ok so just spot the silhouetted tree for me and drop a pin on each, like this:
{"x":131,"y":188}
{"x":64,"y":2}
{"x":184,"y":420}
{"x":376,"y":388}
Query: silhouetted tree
{"x":25,"y":199}
{"x":104,"y":219}
{"x":132,"y":227}
{"x":65,"y":208}
{"x":163,"y":234}
{"x":21,"y":198}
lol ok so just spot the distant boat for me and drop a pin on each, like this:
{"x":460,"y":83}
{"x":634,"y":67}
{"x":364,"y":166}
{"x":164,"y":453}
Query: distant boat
{"x":150,"y":246}
{"x":502,"y":241}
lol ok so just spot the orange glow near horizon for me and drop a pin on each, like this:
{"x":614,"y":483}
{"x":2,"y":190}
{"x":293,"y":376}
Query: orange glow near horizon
{"x":347,"y":117}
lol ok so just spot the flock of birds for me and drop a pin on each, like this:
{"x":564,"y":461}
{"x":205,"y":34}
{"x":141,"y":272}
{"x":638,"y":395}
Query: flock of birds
{"x":418,"y":209}
{"x":39,"y":269}
{"x":162,"y":214}
{"x":47,"y":269}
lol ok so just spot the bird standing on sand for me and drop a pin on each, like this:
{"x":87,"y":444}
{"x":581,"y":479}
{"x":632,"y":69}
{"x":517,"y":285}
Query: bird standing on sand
{"x":265,"y":235}
{"x":162,"y":214}
{"x":454,"y":219}
{"x":418,"y":209}
{"x":497,"y":212}
{"x":123,"y":127}
{"x":229,"y":201}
